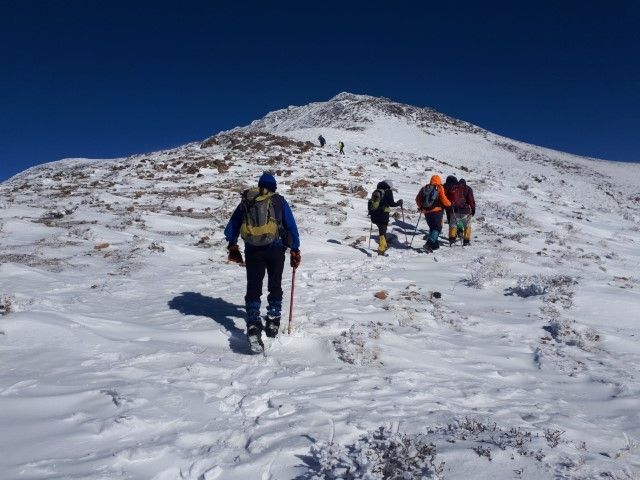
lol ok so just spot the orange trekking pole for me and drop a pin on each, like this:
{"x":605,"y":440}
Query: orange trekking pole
{"x":293,"y":285}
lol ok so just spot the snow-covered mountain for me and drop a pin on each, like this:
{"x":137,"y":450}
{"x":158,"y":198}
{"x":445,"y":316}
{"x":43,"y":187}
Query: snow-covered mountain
{"x":121,"y":337}
{"x":347,"y":111}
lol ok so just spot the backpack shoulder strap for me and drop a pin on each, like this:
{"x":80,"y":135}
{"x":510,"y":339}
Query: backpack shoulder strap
{"x":250,"y":194}
{"x":276,"y":201}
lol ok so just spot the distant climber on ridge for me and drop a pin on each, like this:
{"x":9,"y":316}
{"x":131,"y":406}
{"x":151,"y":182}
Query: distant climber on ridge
{"x":341,"y":147}
{"x":431,"y":200}
{"x":321,"y":140}
{"x":379,"y":206}
{"x":265,"y":221}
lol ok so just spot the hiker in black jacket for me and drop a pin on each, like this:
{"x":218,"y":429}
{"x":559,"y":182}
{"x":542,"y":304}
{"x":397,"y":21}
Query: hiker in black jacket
{"x":379,"y":207}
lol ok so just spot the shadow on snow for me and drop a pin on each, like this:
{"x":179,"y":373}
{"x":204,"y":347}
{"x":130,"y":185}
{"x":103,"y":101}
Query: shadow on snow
{"x":218,"y":310}
{"x":356,"y":246}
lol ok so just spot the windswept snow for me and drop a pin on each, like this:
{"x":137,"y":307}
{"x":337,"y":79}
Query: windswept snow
{"x":122,"y":342}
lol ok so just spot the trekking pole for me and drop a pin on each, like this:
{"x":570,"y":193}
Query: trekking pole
{"x":454,"y":219}
{"x":293,"y":284}
{"x":405,"y":228}
{"x":370,"y":232}
{"x":416,"y":229}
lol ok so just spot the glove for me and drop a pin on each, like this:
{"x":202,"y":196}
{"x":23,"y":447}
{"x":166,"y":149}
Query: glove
{"x":400,"y":202}
{"x":234,"y":254}
{"x":295,"y":258}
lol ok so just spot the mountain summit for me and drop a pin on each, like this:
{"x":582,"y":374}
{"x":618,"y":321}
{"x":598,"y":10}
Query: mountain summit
{"x":348,"y":111}
{"x":122,"y":341}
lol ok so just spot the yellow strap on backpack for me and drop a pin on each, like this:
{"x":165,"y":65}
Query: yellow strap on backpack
{"x":260,"y":233}
{"x":269,"y":228}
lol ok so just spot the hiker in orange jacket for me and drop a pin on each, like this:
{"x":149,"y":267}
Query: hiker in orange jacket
{"x":432,"y":201}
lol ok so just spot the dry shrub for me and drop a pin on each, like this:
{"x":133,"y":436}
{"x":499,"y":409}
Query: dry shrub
{"x":356,"y":346}
{"x":378,"y":455}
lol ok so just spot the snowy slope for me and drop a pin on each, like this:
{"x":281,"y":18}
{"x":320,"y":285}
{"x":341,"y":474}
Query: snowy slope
{"x":129,"y":361}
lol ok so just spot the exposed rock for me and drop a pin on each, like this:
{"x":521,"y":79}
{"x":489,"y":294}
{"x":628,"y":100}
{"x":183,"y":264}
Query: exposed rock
{"x":382,"y":295}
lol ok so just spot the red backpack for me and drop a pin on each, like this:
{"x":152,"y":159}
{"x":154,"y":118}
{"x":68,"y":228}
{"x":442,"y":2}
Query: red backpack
{"x":457,"y":197}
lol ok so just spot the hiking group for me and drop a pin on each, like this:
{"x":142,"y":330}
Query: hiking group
{"x":266,"y":223}
{"x":455,"y":198}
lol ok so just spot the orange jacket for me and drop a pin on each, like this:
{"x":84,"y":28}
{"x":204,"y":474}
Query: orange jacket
{"x":443,"y":201}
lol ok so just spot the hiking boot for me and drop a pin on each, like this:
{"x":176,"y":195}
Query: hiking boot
{"x":382,"y":245}
{"x":466,"y":243}
{"x":254,"y":336}
{"x":272,"y":326}
{"x":452,"y":240}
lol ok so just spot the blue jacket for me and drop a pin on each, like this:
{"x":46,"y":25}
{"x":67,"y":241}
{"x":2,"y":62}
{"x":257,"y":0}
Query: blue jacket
{"x":284,"y":217}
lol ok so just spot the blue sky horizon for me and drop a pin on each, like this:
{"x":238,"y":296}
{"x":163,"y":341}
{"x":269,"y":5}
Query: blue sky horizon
{"x":110,"y":79}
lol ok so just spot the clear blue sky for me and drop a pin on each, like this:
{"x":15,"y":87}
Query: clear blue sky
{"x":107,"y":78}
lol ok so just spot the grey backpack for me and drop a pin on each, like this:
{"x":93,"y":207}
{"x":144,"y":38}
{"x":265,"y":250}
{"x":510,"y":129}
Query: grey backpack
{"x":259,"y":225}
{"x":429,"y":196}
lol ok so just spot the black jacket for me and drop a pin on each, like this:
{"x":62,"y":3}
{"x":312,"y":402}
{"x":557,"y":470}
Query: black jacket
{"x":381,"y":215}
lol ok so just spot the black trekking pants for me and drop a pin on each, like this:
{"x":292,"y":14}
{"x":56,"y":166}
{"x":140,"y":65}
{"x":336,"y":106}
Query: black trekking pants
{"x":434,"y":220}
{"x":259,"y":260}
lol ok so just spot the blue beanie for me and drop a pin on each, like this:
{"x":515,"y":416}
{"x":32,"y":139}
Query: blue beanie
{"x":267,"y":181}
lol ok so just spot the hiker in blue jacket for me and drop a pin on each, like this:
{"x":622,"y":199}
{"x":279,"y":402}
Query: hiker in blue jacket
{"x":266,"y":223}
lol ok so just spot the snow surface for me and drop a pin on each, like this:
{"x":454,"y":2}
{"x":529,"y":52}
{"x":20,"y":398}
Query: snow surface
{"x":129,"y":361}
